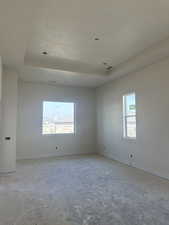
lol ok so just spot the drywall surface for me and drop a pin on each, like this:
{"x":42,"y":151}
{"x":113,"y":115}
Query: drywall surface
{"x":30,"y":141}
{"x":0,"y":78}
{"x":151,"y":148}
{"x":0,"y":102}
{"x":9,"y":117}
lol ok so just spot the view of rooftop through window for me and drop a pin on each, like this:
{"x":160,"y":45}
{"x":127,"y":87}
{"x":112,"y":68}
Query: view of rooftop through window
{"x":58,"y":117}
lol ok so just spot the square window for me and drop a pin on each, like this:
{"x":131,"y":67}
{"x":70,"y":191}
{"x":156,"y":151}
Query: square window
{"x":58,"y":118}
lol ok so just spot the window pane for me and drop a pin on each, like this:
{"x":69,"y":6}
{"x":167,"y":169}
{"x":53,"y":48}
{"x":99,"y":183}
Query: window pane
{"x":130,"y":104}
{"x":131,"y":127}
{"x":58,"y":117}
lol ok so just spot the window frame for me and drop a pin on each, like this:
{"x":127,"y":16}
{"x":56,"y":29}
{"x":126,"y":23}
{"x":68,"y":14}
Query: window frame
{"x":74,"y":117}
{"x":125,"y":116}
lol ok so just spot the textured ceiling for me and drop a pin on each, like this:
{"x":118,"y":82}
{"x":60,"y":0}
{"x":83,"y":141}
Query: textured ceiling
{"x":87,"y":42}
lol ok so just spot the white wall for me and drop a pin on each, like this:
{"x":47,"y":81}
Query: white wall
{"x":0,"y":78}
{"x":0,"y":102}
{"x":151,"y":149}
{"x":30,"y":141}
{"x":8,"y":126}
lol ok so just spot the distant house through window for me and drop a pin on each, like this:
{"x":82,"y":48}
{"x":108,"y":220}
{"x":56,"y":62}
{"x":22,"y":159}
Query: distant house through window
{"x":129,"y":116}
{"x":58,"y":118}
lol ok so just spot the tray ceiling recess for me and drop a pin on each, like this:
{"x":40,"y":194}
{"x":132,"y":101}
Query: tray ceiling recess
{"x":82,"y":43}
{"x":48,"y":60}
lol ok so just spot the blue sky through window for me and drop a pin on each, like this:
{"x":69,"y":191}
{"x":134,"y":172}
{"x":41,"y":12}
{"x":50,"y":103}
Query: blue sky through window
{"x":130,"y":104}
{"x":58,"y":111}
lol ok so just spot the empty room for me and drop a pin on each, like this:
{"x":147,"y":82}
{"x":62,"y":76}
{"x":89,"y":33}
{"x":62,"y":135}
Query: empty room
{"x":84,"y":112}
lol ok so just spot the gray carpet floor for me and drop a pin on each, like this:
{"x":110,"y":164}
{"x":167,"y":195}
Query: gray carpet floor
{"x":86,"y":190}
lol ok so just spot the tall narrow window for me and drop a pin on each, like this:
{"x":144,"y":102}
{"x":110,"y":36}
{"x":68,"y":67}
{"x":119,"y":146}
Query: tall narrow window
{"x":58,"y":118}
{"x":129,"y":116}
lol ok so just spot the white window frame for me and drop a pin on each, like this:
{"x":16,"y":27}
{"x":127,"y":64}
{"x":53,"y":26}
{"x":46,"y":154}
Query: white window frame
{"x":74,"y":121}
{"x":125,"y":116}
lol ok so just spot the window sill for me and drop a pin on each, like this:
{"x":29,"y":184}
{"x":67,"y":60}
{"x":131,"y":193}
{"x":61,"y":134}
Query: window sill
{"x":58,"y":134}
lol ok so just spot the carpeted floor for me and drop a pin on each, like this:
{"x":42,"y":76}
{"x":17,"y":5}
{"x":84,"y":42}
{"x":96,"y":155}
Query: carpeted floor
{"x":87,"y":190}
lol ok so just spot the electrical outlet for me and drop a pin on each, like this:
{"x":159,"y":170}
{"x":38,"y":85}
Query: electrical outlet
{"x":131,"y":159}
{"x":7,"y":138}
